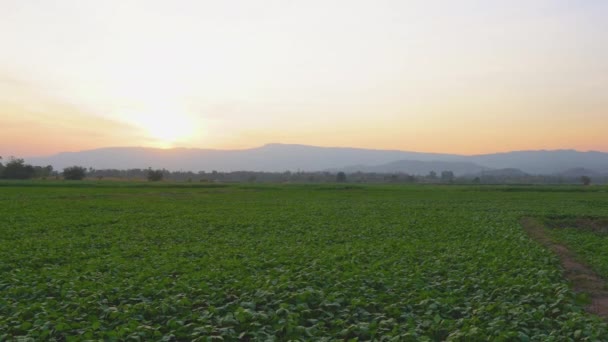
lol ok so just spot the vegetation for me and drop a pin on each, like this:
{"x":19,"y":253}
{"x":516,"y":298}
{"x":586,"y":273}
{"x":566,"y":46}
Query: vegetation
{"x":74,"y":173}
{"x":586,"y":180}
{"x":587,"y":238}
{"x":340,"y":177}
{"x":16,"y":168}
{"x":192,"y":261}
{"x":447,"y":176}
{"x":331,"y":177}
{"x":155,"y":175}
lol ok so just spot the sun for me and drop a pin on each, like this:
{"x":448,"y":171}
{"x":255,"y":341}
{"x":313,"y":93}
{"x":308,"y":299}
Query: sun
{"x":168,"y":130}
{"x":162,"y":121}
{"x":166,"y":127}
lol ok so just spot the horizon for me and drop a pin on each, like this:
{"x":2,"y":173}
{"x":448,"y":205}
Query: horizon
{"x":463,"y":78}
{"x":168,"y":149}
{"x":277,"y":157}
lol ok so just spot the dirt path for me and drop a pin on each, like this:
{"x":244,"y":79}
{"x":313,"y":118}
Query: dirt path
{"x":583,"y":278}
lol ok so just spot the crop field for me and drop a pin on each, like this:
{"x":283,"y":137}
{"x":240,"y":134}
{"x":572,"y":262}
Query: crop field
{"x":121,"y":261}
{"x":587,"y":238}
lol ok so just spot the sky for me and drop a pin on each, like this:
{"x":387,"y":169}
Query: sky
{"x":462,"y":77}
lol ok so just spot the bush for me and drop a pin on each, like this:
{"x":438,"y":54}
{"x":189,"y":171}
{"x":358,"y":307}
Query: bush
{"x":74,"y":173}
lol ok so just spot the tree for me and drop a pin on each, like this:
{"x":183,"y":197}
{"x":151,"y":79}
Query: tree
{"x":155,"y":175}
{"x":74,"y":173}
{"x":43,"y":171}
{"x":17,"y":169}
{"x":447,"y":176}
{"x":341,"y":177}
{"x":432,"y":175}
{"x":586,"y":180}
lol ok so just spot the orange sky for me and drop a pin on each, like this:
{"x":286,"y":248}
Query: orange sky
{"x":461,"y":77}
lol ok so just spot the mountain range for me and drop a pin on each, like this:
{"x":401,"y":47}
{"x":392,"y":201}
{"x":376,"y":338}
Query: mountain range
{"x":283,"y":157}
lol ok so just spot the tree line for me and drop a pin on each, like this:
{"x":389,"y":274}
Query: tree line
{"x":16,"y":168}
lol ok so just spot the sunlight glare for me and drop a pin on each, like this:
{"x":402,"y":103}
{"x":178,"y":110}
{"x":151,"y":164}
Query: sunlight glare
{"x":167,"y":126}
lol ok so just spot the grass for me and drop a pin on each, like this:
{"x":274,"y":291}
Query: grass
{"x":114,"y":261}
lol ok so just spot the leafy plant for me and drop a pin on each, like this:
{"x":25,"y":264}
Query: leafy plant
{"x":204,"y":262}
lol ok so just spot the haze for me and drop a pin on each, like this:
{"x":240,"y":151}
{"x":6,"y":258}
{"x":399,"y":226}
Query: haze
{"x":460,"y":77}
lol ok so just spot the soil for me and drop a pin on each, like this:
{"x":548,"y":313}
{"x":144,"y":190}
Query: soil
{"x":594,"y":224}
{"x":582,"y":277}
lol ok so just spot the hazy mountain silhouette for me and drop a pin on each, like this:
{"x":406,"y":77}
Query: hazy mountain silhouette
{"x":270,"y":157}
{"x":544,"y":162}
{"x":282,"y":157}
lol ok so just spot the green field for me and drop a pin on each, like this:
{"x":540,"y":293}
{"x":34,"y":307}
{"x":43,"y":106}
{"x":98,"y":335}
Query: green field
{"x":587,"y":238}
{"x":286,"y":262}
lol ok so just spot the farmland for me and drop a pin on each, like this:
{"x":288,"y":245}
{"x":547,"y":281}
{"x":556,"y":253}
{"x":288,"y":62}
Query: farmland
{"x":586,"y":237}
{"x":309,"y":262}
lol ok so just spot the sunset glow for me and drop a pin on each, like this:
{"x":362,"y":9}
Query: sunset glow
{"x":457,"y":77}
{"x":165,"y":125}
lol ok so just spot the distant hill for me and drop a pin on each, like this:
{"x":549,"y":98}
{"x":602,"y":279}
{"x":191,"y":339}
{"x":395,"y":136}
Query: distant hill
{"x":544,"y":162}
{"x":283,"y":157}
{"x":271,"y":157}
